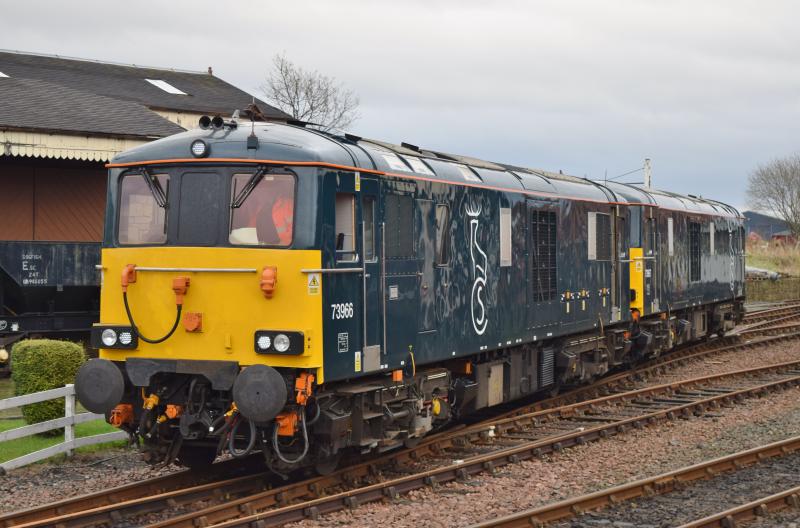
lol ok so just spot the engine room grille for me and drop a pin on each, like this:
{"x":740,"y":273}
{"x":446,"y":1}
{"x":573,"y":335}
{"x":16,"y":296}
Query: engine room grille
{"x":543,"y":255}
{"x":399,"y":213}
{"x":694,"y":251}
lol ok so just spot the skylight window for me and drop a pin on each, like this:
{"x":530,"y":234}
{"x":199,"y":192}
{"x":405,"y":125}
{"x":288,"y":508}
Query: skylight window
{"x":164,"y":85}
{"x":3,"y":74}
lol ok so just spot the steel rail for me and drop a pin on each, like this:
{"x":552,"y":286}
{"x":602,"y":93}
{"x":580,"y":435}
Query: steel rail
{"x":771,"y":313}
{"x":766,"y":323}
{"x":771,"y":330}
{"x":762,"y":507}
{"x":244,"y":511}
{"x":646,"y":487}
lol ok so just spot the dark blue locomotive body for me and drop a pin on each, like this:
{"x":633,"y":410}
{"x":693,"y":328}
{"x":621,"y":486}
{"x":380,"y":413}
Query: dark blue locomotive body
{"x":447,"y":284}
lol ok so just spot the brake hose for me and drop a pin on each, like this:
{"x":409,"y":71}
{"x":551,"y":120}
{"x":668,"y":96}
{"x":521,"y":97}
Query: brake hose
{"x":251,"y":442}
{"x":136,"y":329}
{"x":277,"y":449}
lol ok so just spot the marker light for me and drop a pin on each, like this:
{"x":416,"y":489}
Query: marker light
{"x":264,"y":342}
{"x":109,"y":337}
{"x":281,"y":342}
{"x":199,"y":148}
{"x":125,"y":338}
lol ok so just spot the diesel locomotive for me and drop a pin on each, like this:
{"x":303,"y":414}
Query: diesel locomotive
{"x":271,"y":287}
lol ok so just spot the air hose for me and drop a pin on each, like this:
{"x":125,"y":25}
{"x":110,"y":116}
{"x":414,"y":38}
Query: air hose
{"x":136,"y":329}
{"x":276,"y":447}
{"x":251,"y":443}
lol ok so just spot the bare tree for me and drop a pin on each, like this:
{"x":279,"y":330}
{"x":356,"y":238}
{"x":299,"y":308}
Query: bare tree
{"x":775,"y":187}
{"x":309,"y":95}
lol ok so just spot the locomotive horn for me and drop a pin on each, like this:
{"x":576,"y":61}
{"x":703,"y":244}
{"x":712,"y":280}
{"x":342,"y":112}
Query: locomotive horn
{"x":99,"y":385}
{"x":260,"y":393}
{"x":205,"y":122}
{"x":217,"y":122}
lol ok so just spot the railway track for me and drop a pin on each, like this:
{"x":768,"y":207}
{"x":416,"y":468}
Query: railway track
{"x":771,"y":313}
{"x":761,"y":507}
{"x":617,"y":497}
{"x":222,"y":471}
{"x":486,"y":450}
{"x":175,"y":492}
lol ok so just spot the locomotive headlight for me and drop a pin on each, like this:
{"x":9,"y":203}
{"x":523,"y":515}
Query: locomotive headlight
{"x":199,"y":148}
{"x":109,"y":337}
{"x":282,"y":342}
{"x":279,"y":342}
{"x":125,"y":338}
{"x":120,"y":337}
{"x":264,"y":342}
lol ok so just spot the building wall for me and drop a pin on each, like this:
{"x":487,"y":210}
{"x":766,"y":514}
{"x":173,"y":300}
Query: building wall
{"x":51,"y":200}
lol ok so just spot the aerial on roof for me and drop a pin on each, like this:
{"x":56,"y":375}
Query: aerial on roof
{"x":57,"y":94}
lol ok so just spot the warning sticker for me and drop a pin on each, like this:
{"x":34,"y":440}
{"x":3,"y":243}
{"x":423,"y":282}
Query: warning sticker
{"x":358,"y":182}
{"x":313,"y":283}
{"x":344,"y":342}
{"x":358,"y":361}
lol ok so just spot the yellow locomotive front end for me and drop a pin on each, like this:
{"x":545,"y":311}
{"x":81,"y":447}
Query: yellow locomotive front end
{"x":211,"y":304}
{"x":232,"y":297}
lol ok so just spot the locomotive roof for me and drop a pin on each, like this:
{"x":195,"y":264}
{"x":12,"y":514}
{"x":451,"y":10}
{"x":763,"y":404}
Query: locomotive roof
{"x":300,"y":145}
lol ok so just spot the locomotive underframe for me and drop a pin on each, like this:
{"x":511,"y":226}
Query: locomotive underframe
{"x":385,"y":412}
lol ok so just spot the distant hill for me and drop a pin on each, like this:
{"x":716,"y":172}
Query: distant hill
{"x":764,"y":225}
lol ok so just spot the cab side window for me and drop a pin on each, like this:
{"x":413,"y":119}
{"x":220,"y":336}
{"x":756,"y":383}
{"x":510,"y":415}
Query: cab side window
{"x":345,"y":228}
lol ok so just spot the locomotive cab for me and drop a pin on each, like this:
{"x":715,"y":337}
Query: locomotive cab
{"x":206,"y":270}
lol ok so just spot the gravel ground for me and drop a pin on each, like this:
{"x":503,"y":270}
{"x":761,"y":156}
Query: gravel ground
{"x":536,"y":482}
{"x":635,"y":455}
{"x":789,"y":518}
{"x":83,"y":473}
{"x":700,"y":499}
{"x":780,"y":353}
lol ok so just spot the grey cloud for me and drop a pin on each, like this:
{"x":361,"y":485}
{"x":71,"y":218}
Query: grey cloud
{"x":707,"y":89}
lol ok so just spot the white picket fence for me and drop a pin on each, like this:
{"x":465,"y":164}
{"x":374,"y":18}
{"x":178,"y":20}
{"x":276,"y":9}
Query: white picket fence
{"x":68,"y":422}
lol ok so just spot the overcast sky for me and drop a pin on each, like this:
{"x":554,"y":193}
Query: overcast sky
{"x":708,"y":89}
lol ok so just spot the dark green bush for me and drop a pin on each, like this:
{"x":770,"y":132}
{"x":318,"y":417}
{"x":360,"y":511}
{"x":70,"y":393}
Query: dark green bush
{"x":43,"y":364}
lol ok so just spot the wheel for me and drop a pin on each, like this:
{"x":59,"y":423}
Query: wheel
{"x":196,"y":457}
{"x":327,"y":465}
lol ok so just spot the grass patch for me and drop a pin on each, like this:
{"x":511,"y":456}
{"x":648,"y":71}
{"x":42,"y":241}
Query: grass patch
{"x":781,"y":258}
{"x":22,"y":446}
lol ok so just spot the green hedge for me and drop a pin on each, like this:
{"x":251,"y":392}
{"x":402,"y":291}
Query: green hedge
{"x":43,"y":364}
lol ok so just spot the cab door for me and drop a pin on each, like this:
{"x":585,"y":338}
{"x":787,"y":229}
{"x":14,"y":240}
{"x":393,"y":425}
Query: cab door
{"x":650,"y":254}
{"x":371,"y":242}
{"x":424,"y":232}
{"x":343,"y":311}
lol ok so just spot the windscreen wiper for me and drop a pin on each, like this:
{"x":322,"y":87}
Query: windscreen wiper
{"x":254,"y":180}
{"x":155,"y":188}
